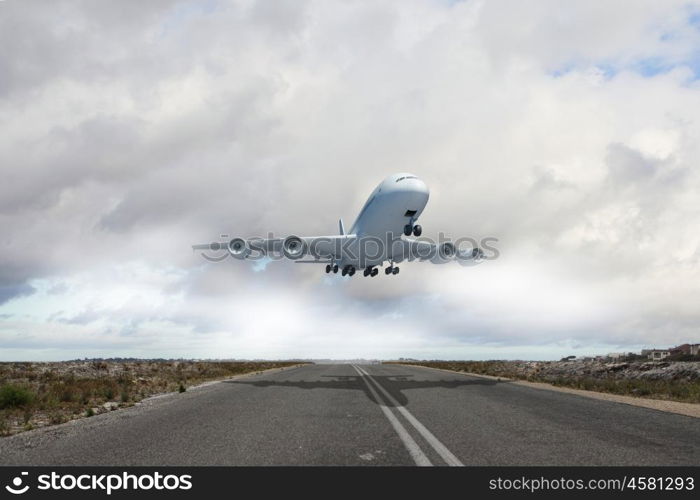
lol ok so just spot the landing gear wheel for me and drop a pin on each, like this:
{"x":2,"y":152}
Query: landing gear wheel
{"x":328,"y":268}
{"x":417,"y":230}
{"x":344,"y":271}
{"x":388,"y":270}
{"x":351,"y":271}
{"x":374,"y":272}
{"x":407,"y":229}
{"x":366,"y":271}
{"x":395,"y":271}
{"x":335,"y":269}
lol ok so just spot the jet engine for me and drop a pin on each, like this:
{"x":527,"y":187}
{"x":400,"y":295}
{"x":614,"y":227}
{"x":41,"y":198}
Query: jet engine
{"x":445,"y":253}
{"x":447,"y":250}
{"x":471,"y":257}
{"x":238,"y":248}
{"x":294,"y":247}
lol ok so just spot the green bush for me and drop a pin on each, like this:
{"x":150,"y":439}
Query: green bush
{"x":182,"y":387}
{"x":109,"y":393}
{"x":13,"y":396}
{"x":66,"y":395}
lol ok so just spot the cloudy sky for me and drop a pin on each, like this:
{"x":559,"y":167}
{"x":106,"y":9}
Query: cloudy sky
{"x":570,"y":131}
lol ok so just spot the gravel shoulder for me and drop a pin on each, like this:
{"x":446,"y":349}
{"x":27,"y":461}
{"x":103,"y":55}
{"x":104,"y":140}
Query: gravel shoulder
{"x":688,"y":409}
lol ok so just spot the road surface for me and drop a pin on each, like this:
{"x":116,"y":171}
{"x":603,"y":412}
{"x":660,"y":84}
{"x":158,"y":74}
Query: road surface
{"x":365,"y":415}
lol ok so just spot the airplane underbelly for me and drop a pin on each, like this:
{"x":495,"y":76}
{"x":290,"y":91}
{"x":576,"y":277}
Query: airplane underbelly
{"x":383,"y":221}
{"x":392,"y":213}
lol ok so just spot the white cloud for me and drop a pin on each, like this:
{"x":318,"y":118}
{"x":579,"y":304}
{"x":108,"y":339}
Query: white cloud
{"x":568,"y":131}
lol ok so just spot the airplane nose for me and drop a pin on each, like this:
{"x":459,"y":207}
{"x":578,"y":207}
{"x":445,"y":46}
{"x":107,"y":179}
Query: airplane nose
{"x":405,"y":183}
{"x":417,"y":186}
{"x":416,"y":194}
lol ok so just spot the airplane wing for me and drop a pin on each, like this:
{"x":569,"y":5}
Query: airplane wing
{"x":330,"y":249}
{"x":441,"y":253}
{"x":319,"y":249}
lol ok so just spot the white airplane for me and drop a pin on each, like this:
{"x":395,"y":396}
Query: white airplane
{"x":376,"y":237}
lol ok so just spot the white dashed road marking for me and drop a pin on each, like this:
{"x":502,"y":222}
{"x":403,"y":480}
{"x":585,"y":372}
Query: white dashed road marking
{"x":440,"y":449}
{"x":413,"y":449}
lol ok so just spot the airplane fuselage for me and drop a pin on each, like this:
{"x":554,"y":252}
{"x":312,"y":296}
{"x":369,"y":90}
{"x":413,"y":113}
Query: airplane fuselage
{"x":397,"y":202}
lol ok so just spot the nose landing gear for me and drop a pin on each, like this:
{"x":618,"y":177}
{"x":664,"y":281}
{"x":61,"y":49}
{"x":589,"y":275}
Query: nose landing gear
{"x":409,"y":229}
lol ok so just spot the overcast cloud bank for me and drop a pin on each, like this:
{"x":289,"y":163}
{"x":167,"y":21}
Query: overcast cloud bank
{"x":131,"y":130}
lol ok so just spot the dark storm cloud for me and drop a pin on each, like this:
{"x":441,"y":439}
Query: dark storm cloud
{"x":9,"y":292}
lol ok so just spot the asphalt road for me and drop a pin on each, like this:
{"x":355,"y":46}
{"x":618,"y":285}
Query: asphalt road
{"x":366,"y":415}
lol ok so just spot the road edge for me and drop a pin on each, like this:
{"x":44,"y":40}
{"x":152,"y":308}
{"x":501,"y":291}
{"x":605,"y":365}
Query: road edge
{"x":677,"y":407}
{"x":218,"y":381}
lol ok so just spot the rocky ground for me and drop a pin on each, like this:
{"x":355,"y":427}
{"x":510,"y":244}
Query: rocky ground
{"x":649,"y":370}
{"x":671,"y":380}
{"x":645,"y":370}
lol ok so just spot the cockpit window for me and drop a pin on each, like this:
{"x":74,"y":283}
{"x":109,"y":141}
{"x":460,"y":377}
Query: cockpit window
{"x":406,"y":177}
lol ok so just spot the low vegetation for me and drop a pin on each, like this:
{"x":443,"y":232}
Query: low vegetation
{"x":39,"y":394}
{"x":668,"y":380}
{"x":12,"y":396}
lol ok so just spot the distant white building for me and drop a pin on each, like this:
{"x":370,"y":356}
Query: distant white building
{"x":617,"y":355}
{"x":656,"y":354}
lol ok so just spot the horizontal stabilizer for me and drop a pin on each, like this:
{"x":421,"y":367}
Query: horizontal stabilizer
{"x":215,"y":246}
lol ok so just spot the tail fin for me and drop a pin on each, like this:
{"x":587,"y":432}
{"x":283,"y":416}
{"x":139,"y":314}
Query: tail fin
{"x":341,"y":227}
